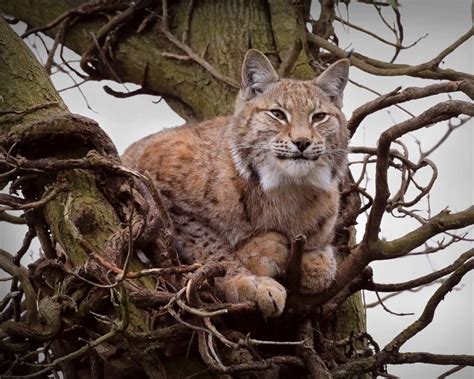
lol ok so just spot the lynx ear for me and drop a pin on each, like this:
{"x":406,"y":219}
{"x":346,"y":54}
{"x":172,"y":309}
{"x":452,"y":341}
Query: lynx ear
{"x":334,"y":79}
{"x":257,"y":74}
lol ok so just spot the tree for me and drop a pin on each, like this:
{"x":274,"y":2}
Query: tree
{"x":90,"y":307}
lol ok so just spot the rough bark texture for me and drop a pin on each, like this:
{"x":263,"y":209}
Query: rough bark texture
{"x":187,"y":87}
{"x":24,"y":85}
{"x":31,"y":115}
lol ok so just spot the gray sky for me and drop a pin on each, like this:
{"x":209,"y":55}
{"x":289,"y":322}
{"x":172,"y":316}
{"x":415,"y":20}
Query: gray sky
{"x":127,"y":120}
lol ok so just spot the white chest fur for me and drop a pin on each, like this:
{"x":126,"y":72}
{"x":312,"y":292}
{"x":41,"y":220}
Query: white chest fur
{"x":275,"y":174}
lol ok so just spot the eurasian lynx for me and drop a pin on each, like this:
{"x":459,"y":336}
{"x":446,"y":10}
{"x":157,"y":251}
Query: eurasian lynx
{"x":239,"y":188}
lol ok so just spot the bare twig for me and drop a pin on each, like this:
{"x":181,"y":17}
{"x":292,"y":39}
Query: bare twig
{"x":451,"y":371}
{"x":440,"y":112}
{"x":427,"y":70}
{"x":396,"y":97}
{"x":376,"y":36}
{"x":190,"y":52}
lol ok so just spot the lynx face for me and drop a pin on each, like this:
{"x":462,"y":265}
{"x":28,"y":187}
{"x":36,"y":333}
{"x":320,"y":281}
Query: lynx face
{"x":290,"y":132}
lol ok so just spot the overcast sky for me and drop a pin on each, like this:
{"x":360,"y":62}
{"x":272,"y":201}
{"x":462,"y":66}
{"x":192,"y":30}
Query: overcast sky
{"x":127,"y":120}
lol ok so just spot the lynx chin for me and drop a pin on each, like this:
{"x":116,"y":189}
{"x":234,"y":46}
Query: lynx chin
{"x":239,"y":188}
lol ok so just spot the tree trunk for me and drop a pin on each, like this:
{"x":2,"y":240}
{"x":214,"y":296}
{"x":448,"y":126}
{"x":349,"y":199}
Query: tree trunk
{"x":275,"y":28}
{"x":35,"y":123}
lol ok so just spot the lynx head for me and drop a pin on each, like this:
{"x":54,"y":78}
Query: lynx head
{"x":290,"y":132}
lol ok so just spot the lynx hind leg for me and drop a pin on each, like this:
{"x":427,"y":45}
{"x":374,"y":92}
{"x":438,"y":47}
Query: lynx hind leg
{"x":265,"y":254}
{"x":318,"y":270}
{"x":267,"y":292}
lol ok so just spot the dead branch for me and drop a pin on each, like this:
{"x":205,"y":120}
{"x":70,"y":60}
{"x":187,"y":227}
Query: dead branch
{"x":440,"y":245}
{"x":8,"y":265}
{"x":84,"y":9}
{"x":146,"y":272}
{"x":97,"y":45}
{"x":293,"y":275}
{"x":428,"y":313}
{"x":18,"y":220}
{"x":440,"y":112}
{"x":390,"y":353}
{"x":451,"y":371}
{"x":15,"y":203}
{"x":397,"y":44}
{"x":436,"y":225}
{"x":371,"y":90}
{"x":427,"y":70}
{"x":451,"y":128}
{"x":394,"y":294}
{"x":408,"y":94}
{"x":421,"y":281}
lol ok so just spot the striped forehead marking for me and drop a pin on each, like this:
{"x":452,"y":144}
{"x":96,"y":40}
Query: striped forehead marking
{"x":298,"y":96}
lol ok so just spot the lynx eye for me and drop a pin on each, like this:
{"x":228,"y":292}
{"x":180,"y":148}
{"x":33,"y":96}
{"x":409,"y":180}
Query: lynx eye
{"x":280,"y":115}
{"x":318,"y":117}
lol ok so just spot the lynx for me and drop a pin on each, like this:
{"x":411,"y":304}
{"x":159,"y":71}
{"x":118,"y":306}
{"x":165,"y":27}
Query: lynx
{"x":239,"y":188}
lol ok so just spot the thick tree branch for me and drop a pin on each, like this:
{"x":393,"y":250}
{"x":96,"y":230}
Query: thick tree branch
{"x":436,"y":225}
{"x":186,"y":87}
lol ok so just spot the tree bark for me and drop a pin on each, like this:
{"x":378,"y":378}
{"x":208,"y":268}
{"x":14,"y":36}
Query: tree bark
{"x":35,"y":123}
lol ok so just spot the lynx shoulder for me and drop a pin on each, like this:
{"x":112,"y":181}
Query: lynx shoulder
{"x":239,"y":188}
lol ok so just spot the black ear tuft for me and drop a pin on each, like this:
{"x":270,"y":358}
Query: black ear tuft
{"x":334,"y":79}
{"x":257,"y":74}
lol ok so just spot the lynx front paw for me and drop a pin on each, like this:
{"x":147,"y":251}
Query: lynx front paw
{"x":266,"y":254}
{"x":318,"y":270}
{"x":268,"y":293}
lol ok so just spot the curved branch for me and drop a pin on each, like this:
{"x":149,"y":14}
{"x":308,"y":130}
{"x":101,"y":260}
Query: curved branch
{"x":190,"y":52}
{"x":428,"y":313}
{"x":363,"y":254}
{"x":390,"y":353}
{"x":427,"y":70}
{"x":423,"y":280}
{"x":7,"y":264}
{"x":376,"y":36}
{"x":440,"y":112}
{"x":438,"y":224}
{"x":410,"y":93}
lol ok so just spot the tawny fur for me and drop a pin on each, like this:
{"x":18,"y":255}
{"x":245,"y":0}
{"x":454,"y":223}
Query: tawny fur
{"x":237,"y":195}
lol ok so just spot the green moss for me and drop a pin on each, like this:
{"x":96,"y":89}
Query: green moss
{"x":25,"y":85}
{"x":26,"y":91}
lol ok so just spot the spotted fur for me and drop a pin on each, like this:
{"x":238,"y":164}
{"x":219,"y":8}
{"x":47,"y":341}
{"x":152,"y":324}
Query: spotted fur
{"x":239,"y":188}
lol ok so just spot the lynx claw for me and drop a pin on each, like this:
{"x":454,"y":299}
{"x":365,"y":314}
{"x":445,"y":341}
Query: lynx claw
{"x":268,"y":293}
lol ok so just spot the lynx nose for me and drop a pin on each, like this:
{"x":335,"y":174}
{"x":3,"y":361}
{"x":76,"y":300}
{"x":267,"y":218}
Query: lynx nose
{"x":302,"y":143}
